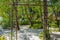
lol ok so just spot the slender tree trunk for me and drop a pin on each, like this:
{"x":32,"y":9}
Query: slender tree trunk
{"x":29,"y":18}
{"x":15,"y":4}
{"x":31,"y":22}
{"x":11,"y":26}
{"x":12,"y":20}
{"x":15,"y":11}
{"x":45,"y":23}
{"x":41,"y":14}
{"x":16,"y":15}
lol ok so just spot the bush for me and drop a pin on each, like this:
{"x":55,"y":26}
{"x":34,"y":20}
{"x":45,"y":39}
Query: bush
{"x":2,"y":38}
{"x":24,"y":22}
{"x":41,"y":35}
{"x":53,"y":24}
{"x":36,"y":21}
{"x":6,"y":25}
{"x":36,"y":26}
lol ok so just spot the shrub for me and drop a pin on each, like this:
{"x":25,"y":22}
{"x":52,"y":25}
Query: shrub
{"x":6,"y":25}
{"x":36,"y":26}
{"x":24,"y":22}
{"x":2,"y":38}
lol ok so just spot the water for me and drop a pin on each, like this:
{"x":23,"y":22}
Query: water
{"x":23,"y":34}
{"x":26,"y":34}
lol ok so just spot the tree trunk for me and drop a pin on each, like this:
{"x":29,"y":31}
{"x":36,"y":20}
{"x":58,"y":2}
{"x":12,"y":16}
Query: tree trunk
{"x":16,"y":13}
{"x":45,"y":23}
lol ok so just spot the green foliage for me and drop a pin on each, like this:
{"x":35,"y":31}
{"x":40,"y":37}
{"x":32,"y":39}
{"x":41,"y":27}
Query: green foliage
{"x":54,"y":1}
{"x":53,"y":24}
{"x":41,"y":35}
{"x":23,"y":12}
{"x":2,"y":38}
{"x":24,"y":22}
{"x":36,"y":26}
{"x":36,"y":22}
{"x":6,"y":25}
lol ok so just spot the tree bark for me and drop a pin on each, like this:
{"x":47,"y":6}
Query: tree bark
{"x":15,"y":11}
{"x":15,"y":4}
{"x":45,"y":21}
